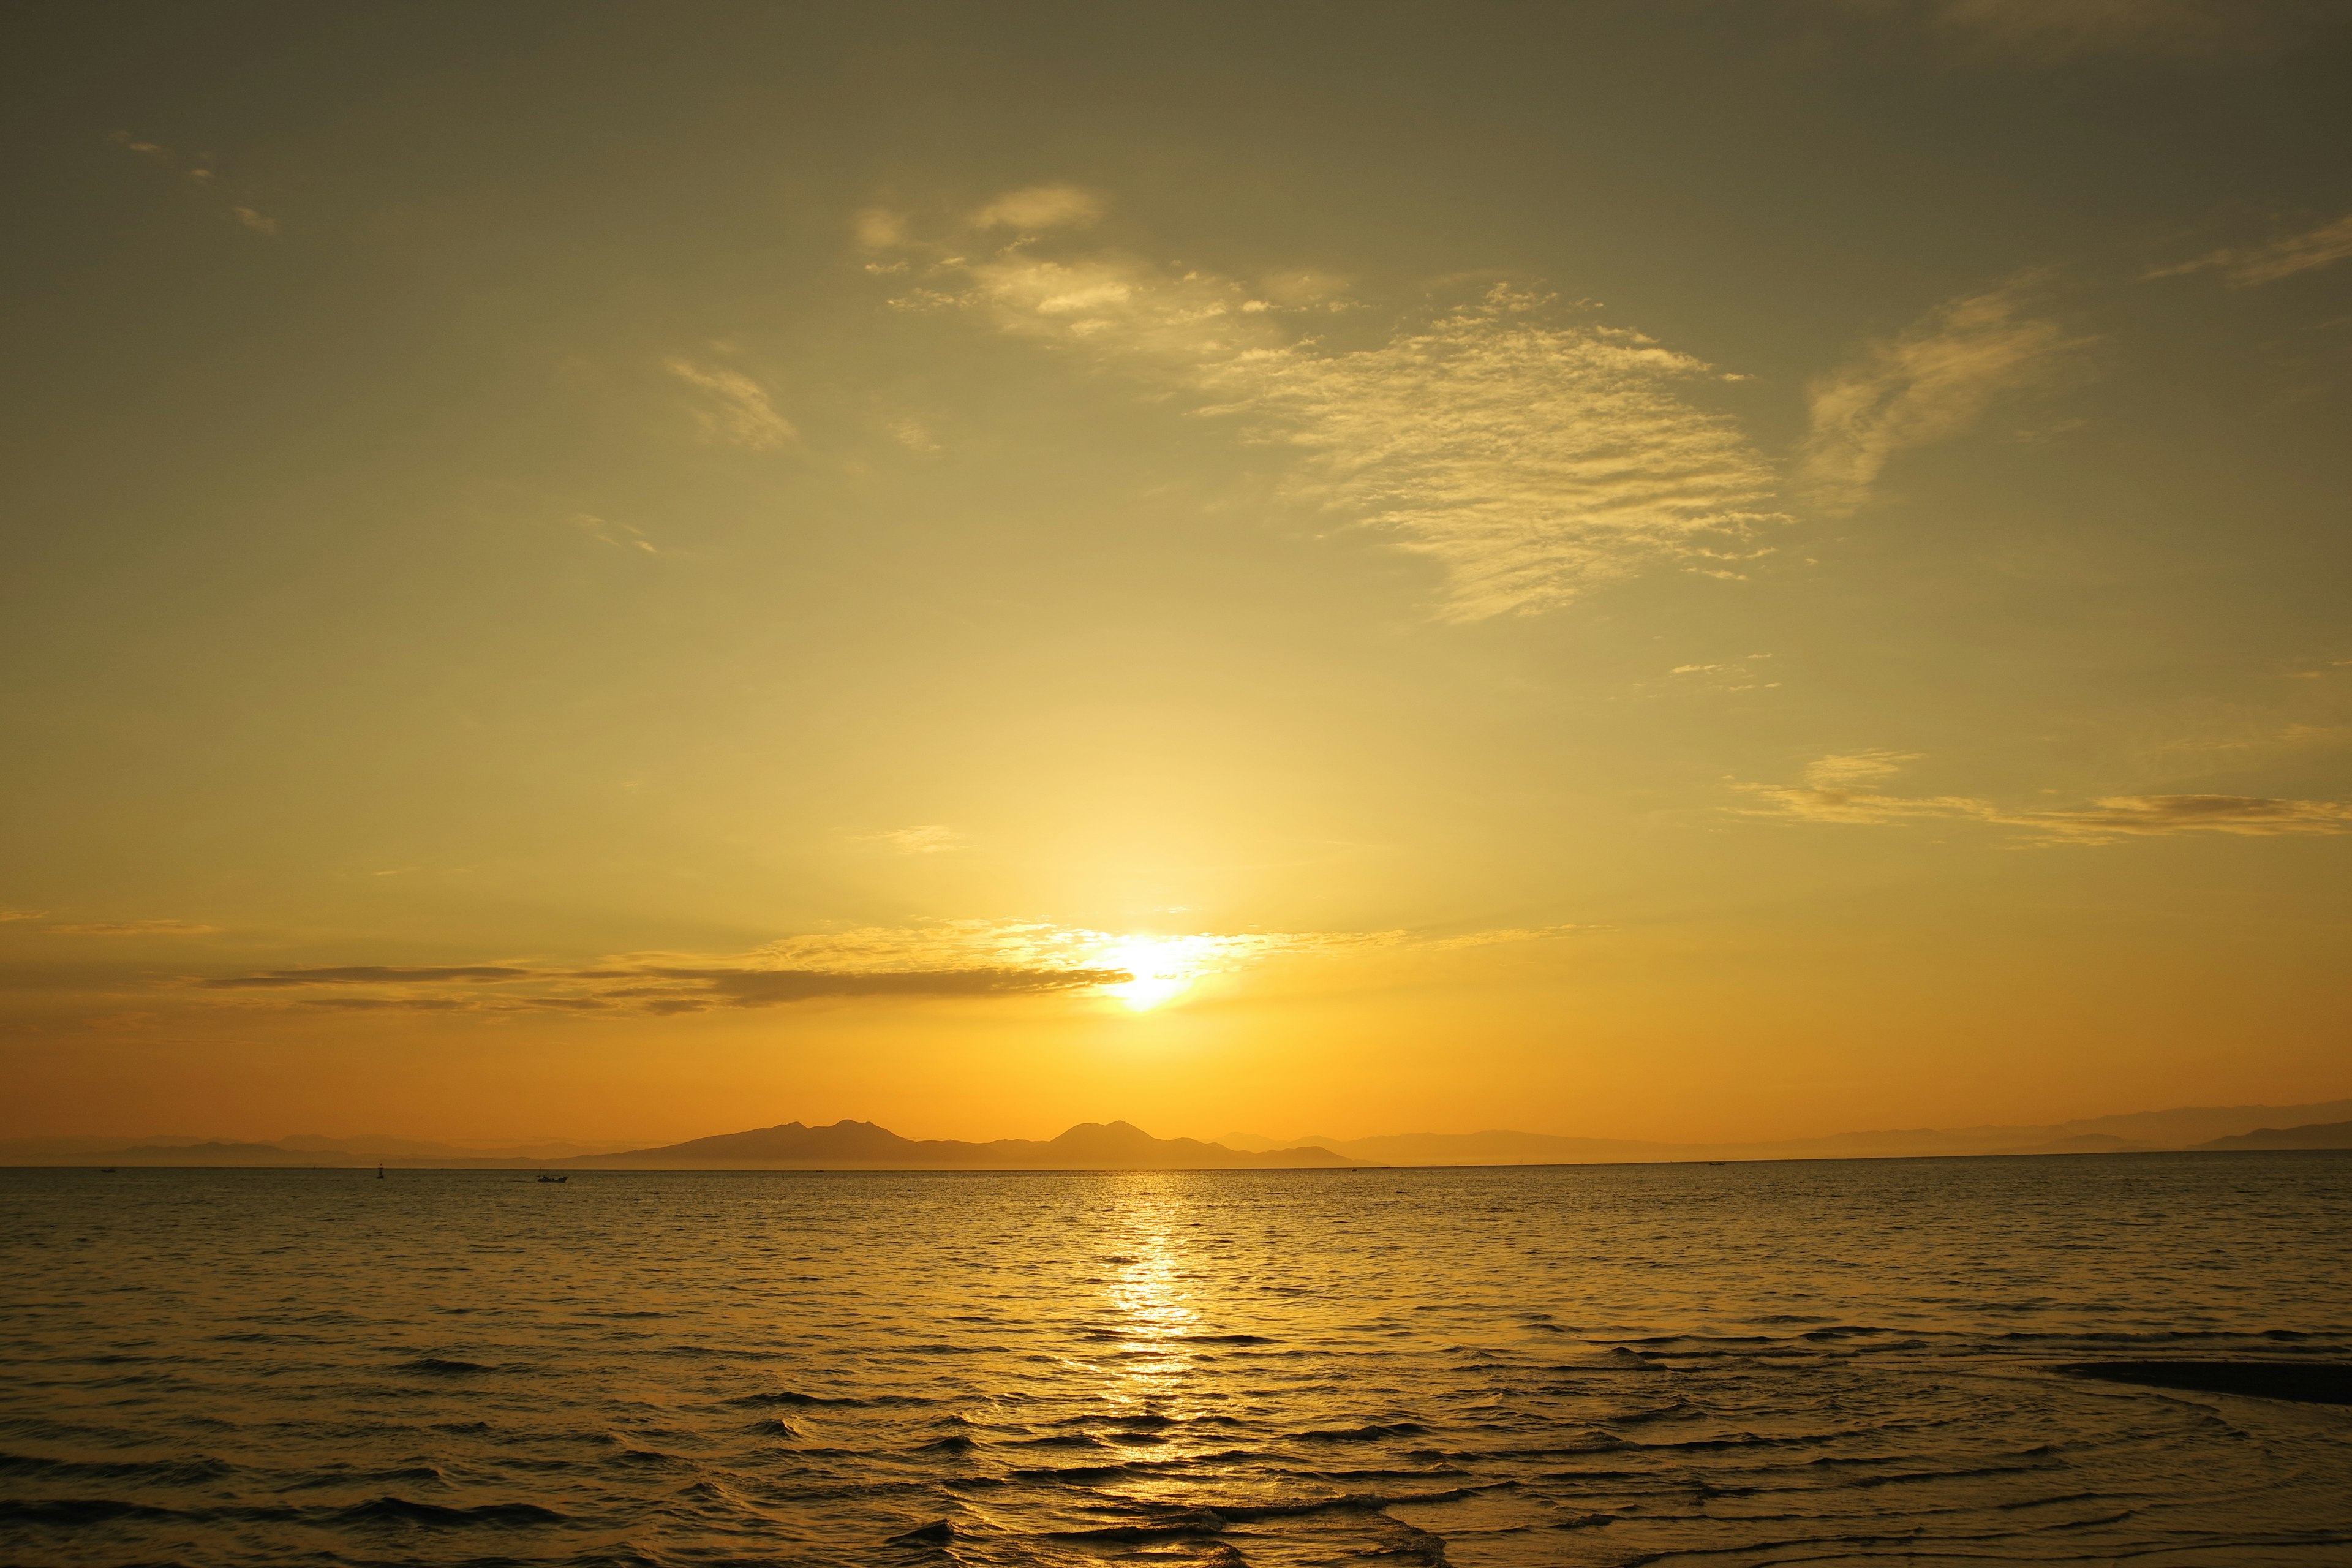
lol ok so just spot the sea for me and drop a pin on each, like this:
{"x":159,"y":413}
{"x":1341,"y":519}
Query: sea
{"x":1836,"y":1361}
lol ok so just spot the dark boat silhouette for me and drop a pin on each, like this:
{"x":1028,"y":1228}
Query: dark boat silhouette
{"x":545,"y":1177}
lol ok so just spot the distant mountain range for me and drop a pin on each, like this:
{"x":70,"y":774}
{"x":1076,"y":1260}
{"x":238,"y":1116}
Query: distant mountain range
{"x":2144,"y":1131}
{"x":1118,"y":1145}
{"x":861,"y":1145}
{"x":844,"y":1146}
{"x":2326,"y":1135}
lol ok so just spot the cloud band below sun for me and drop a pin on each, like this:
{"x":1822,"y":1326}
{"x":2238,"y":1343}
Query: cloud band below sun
{"x":970,"y":960}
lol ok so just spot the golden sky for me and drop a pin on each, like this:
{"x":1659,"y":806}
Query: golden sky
{"x":1637,"y":569}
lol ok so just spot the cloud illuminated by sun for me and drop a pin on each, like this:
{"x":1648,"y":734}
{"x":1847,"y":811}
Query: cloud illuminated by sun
{"x":1164,"y":967}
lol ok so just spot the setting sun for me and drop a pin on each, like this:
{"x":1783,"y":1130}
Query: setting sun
{"x":1163,"y":967}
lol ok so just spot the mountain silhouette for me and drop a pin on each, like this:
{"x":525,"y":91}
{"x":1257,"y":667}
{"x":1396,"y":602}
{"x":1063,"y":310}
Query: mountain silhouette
{"x":2323,"y":1135}
{"x":861,"y":1145}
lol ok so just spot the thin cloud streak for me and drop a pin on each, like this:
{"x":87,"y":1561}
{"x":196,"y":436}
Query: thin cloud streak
{"x":1927,"y":383}
{"x":2253,"y":266}
{"x":2051,"y":32}
{"x":370,"y":974}
{"x":922,"y":838}
{"x":970,"y":960}
{"x":734,"y":408}
{"x":1041,"y":208}
{"x":1836,"y":791}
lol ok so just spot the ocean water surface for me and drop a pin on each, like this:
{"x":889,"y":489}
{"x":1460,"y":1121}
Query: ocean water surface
{"x":1832,"y":1361}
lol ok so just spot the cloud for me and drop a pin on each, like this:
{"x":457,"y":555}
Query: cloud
{"x":456,"y":1004}
{"x":2246,"y":815}
{"x":1041,"y":208}
{"x":773,"y":987}
{"x":1837,"y":770}
{"x":925,"y":838}
{"x":1928,"y":383}
{"x":1728,"y":675}
{"x":1834,"y":792}
{"x":1530,"y":454}
{"x":1118,"y":308}
{"x":936,"y":960}
{"x":1830,"y":795}
{"x":880,"y":228}
{"x":2253,"y":266}
{"x":619,"y":535}
{"x":197,"y":170}
{"x":374,"y":975}
{"x":734,"y":408}
{"x":9,"y":916}
{"x":136,"y":928}
{"x":128,"y":142}
{"x":1508,"y":933}
{"x":2049,"y":32}
{"x":1532,"y":459}
{"x":912,"y":434}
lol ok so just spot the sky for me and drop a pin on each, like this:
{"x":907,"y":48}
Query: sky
{"x":1675,"y":570}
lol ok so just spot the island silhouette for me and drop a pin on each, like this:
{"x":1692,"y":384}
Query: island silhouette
{"x":862,"y":1145}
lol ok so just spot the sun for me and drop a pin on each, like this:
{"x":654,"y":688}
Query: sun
{"x":1163,"y":967}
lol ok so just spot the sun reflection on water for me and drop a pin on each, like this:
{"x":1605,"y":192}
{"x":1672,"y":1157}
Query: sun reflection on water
{"x":1147,"y":1300}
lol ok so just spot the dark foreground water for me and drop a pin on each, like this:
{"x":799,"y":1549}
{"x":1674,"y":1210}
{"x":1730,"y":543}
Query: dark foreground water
{"x":1816,"y":1363}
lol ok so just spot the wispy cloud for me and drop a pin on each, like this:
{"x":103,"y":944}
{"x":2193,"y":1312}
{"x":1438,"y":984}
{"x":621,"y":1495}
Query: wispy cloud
{"x":198,"y":171}
{"x":374,"y":975}
{"x":1507,"y":934}
{"x":1726,"y":675}
{"x":1531,"y":458}
{"x":2048,"y":32}
{"x":1839,"y":789}
{"x":1527,"y":450}
{"x":2243,"y":814}
{"x":912,"y":434}
{"x":9,"y":916}
{"x":1041,"y":208}
{"x":734,"y":408}
{"x":2251,"y":266}
{"x":1926,"y":384}
{"x":619,"y":535}
{"x":135,"y":927}
{"x":686,"y":989}
{"x":924,"y":839}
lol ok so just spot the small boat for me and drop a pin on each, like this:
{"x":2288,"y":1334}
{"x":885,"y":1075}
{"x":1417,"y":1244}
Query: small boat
{"x":106,"y":1169}
{"x":545,"y":1177}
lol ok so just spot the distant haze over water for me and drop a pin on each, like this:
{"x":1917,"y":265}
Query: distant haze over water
{"x":849,"y":1144}
{"x":1687,"y":1363}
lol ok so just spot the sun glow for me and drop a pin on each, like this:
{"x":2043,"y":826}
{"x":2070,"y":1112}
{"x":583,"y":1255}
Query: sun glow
{"x":1163,"y":967}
